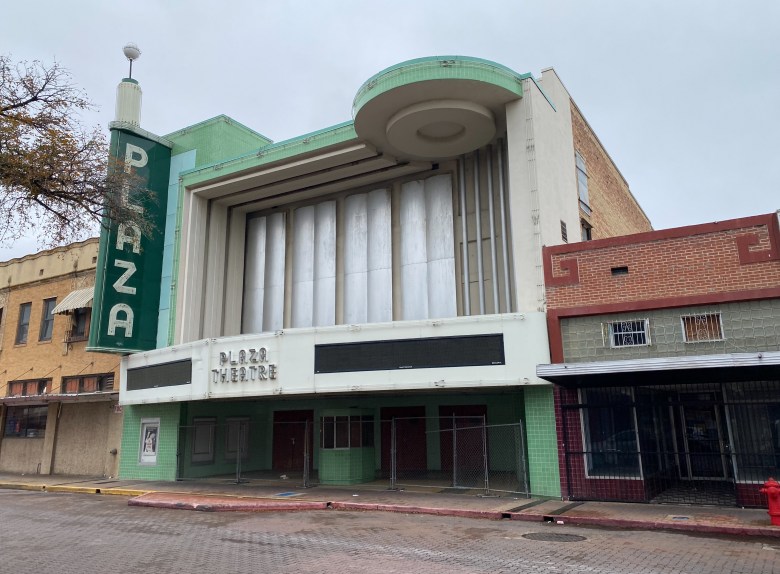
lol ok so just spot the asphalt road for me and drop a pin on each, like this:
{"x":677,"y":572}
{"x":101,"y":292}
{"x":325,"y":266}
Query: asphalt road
{"x":72,"y":533}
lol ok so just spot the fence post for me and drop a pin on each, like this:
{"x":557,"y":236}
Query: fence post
{"x":454,"y":452}
{"x":179,"y":446}
{"x":306,"y":448}
{"x":523,"y":462}
{"x":485,"y":456}
{"x":393,"y":462}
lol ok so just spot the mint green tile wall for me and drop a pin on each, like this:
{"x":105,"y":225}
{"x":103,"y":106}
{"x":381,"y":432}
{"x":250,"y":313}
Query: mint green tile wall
{"x":542,"y":441}
{"x":502,"y":408}
{"x":347,"y":466}
{"x":167,"y":440}
{"x":217,"y":139}
{"x":179,"y":163}
{"x":259,"y":447}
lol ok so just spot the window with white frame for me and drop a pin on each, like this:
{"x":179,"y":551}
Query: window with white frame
{"x":702,"y":327}
{"x":628,"y":333}
{"x":582,"y":182}
{"x":354,"y":431}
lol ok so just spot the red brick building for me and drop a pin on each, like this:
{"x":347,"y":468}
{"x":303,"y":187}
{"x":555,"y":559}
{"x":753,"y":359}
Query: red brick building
{"x":665,"y":351}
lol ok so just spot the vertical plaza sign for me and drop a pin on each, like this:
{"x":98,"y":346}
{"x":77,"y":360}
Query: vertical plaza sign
{"x":129,"y":268}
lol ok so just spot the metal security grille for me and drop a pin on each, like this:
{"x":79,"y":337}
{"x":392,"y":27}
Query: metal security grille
{"x":692,"y":444}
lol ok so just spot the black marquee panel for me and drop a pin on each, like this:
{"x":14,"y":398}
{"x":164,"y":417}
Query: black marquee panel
{"x":428,"y":353}
{"x":165,"y":375}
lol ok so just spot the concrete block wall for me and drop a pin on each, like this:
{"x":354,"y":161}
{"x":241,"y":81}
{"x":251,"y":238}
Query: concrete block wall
{"x":721,"y":263}
{"x":747,"y":327}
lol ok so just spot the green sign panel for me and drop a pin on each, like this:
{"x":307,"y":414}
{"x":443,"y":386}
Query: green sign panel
{"x":129,"y":267}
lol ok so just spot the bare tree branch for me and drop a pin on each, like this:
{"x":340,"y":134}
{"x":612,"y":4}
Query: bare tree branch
{"x":56,"y":177}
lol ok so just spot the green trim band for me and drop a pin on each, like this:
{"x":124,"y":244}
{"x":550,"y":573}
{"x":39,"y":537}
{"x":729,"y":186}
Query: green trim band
{"x":438,"y":68}
{"x":306,"y":143}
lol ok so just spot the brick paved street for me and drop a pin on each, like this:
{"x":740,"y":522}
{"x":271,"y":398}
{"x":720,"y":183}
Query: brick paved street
{"x":72,"y":533}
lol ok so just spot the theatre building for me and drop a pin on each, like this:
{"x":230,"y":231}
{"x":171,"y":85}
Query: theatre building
{"x":59,"y":411}
{"x":360,"y":303}
{"x":665,"y":350}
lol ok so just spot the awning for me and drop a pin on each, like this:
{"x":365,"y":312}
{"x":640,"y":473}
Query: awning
{"x":735,"y":367}
{"x":79,"y":299}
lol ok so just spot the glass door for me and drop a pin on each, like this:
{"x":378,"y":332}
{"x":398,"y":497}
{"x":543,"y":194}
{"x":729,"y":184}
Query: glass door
{"x":705,"y":446}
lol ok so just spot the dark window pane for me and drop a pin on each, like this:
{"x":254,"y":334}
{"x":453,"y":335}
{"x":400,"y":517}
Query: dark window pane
{"x":342,"y":432}
{"x":368,"y":430}
{"x":328,"y":432}
{"x":24,"y":323}
{"x":47,"y":319}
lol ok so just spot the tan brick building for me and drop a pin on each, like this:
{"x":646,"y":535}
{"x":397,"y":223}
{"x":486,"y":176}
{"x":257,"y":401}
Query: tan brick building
{"x":58,"y":403}
{"x":607,"y":206}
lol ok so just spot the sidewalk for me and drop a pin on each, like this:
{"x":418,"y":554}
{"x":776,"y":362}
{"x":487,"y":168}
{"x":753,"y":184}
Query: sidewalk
{"x":218,"y":495}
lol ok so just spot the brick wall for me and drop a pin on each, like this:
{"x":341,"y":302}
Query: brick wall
{"x":54,"y":358}
{"x":710,"y":259}
{"x":615,"y":211}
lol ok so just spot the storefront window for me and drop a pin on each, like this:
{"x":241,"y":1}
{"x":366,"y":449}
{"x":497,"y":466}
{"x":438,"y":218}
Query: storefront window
{"x":26,"y":422}
{"x":610,"y":433}
{"x":353,"y":431}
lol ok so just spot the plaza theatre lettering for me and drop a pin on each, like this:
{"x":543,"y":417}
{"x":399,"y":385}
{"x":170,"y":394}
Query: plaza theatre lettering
{"x":244,"y":365}
{"x":129,"y":271}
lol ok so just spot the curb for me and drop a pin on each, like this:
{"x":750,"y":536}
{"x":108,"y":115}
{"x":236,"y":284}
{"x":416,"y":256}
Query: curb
{"x":22,"y":486}
{"x":72,"y":489}
{"x":676,"y":527}
{"x":461,"y":513}
{"x":125,"y":491}
{"x":215,"y":504}
{"x":212,"y":503}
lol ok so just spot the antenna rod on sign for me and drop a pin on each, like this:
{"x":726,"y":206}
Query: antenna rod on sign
{"x":131,"y":52}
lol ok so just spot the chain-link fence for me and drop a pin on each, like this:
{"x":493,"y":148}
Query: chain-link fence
{"x":451,"y":454}
{"x":241,"y":450}
{"x":457,"y":454}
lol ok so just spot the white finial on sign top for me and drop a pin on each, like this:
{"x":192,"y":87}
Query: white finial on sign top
{"x":131,"y":52}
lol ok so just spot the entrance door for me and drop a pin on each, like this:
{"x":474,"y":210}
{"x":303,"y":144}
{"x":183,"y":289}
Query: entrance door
{"x":704,"y":442}
{"x":411,"y":445}
{"x":462,"y":442}
{"x":290,"y":439}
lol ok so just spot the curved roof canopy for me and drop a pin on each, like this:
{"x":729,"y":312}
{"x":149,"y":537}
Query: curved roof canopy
{"x":435,"y":108}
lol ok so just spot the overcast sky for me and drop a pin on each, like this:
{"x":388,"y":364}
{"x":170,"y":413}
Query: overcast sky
{"x":684,"y":94}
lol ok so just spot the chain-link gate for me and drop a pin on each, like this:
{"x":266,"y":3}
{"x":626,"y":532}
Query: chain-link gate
{"x":241,"y":450}
{"x":457,"y":454}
